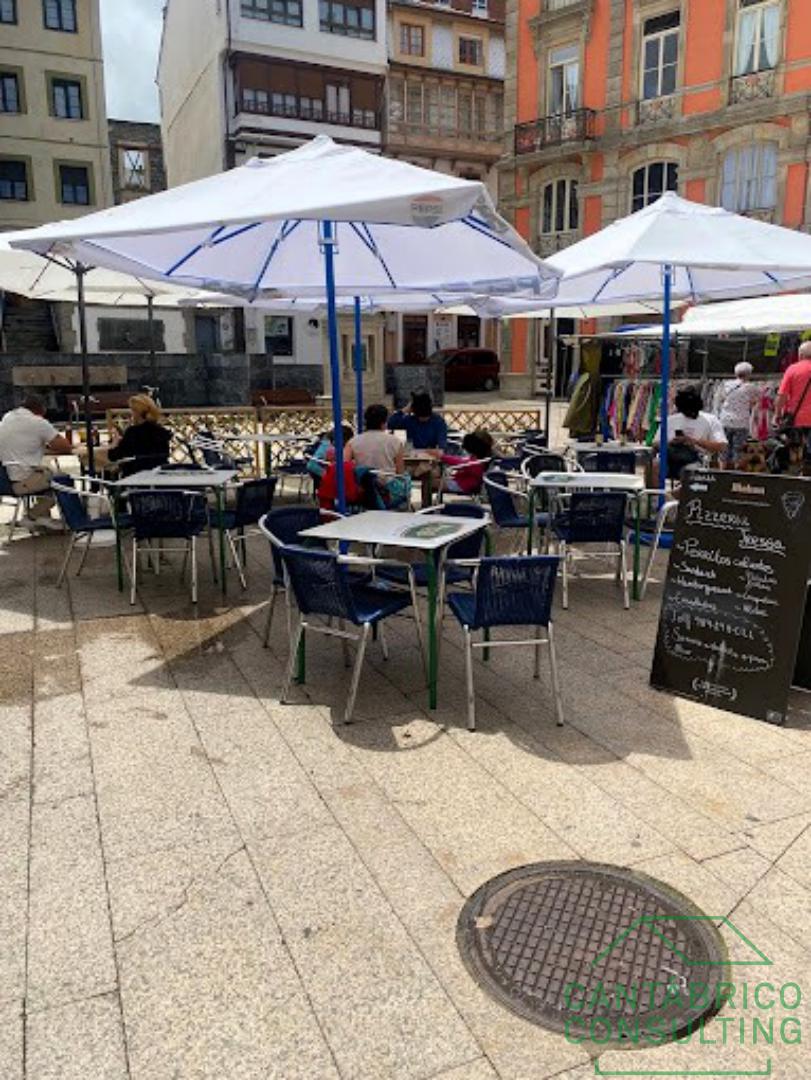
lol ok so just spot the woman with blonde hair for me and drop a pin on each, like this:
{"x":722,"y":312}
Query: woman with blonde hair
{"x":145,"y":443}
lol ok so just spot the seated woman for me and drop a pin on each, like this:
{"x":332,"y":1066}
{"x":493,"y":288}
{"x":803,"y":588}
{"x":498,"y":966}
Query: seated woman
{"x":376,"y":449}
{"x":425,"y":429}
{"x":468,"y":480}
{"x":325,"y":452}
{"x":146,"y":441}
{"x":692,"y":433}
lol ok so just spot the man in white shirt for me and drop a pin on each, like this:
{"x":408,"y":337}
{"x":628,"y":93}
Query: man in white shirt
{"x":25,"y":437}
{"x":691,"y":432}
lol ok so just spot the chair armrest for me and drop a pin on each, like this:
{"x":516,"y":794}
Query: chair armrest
{"x":463,"y":562}
{"x":373,"y":560}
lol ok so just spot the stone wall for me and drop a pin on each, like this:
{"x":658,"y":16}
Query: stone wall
{"x":185,"y":380}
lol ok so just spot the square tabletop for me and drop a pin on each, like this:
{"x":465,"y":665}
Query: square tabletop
{"x":583,"y":481}
{"x":422,"y":532}
{"x":188,"y":479}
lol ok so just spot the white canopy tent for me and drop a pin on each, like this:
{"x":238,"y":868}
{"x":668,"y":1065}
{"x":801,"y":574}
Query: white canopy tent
{"x":322,"y":219}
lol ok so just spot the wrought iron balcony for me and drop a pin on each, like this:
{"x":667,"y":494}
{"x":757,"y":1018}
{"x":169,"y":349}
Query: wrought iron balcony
{"x":554,"y":130}
{"x":551,"y":243}
{"x":656,"y":110}
{"x":559,"y":5}
{"x":756,"y":86}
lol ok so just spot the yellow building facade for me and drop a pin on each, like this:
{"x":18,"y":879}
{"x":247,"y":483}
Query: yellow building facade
{"x":54,"y":149}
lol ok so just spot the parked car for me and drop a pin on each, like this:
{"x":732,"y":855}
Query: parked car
{"x":469,"y":369}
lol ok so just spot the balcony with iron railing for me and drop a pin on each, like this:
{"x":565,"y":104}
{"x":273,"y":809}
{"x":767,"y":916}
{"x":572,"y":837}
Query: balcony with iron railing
{"x":313,"y":110}
{"x":547,"y":244}
{"x":559,"y":5}
{"x":536,"y":135}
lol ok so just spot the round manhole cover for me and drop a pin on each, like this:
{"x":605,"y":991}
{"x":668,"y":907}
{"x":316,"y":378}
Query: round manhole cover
{"x":599,"y":952}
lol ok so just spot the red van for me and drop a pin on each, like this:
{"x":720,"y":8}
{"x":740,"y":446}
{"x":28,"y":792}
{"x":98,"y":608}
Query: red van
{"x":469,"y":369}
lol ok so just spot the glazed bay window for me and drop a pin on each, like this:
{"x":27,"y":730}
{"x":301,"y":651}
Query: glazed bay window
{"x":311,"y":108}
{"x":306,"y":92}
{"x":255,"y":101}
{"x":749,"y":178}
{"x":283,"y":105}
{"x":559,"y":209}
{"x":74,"y":185}
{"x":412,"y":40}
{"x":757,"y":36}
{"x":338,"y":109}
{"x":59,"y":15}
{"x":660,"y":56}
{"x":13,"y":181}
{"x":356,"y":19}
{"x":9,"y":92}
{"x":652,"y":181}
{"x":284,"y":12}
{"x":564,"y":80}
{"x":471,"y":51}
{"x":66,"y":99}
{"x":8,"y":12}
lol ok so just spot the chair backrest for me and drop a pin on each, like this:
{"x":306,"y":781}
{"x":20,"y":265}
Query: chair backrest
{"x":212,"y":451}
{"x":254,"y":500}
{"x":5,"y":482}
{"x":282,"y":528}
{"x":543,"y":462}
{"x":511,"y":463}
{"x":72,"y":506}
{"x":168,"y":513}
{"x":613,"y":461}
{"x":596,"y":517}
{"x":469,"y":547}
{"x":319,"y":582}
{"x":501,"y":502}
{"x":515,"y":590}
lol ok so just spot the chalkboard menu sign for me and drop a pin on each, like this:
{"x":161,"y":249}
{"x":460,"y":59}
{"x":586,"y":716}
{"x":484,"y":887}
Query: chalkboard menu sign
{"x":734,"y":598}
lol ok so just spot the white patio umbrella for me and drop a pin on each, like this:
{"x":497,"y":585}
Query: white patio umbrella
{"x":679,"y":250}
{"x":322,"y":219}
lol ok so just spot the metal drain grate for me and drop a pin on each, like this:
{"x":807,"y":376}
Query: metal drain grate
{"x":599,"y":950}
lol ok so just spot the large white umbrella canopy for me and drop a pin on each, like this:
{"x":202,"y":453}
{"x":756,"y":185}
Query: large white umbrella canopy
{"x":257,"y":229}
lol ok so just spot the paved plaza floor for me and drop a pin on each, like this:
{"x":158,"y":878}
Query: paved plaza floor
{"x":198,"y":882}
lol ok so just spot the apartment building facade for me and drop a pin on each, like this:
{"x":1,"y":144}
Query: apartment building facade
{"x":238,"y":78}
{"x":445,"y":86}
{"x":54,"y":153}
{"x":612,"y":102}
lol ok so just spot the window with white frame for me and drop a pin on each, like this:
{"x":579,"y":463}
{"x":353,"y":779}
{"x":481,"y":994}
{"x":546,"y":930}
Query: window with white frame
{"x":757,"y":36}
{"x":660,"y":55}
{"x":559,"y":208}
{"x":564,"y":80}
{"x":480,"y":7}
{"x":749,"y":178}
{"x":652,"y":181}
{"x":134,"y":168}
{"x":286,"y":12}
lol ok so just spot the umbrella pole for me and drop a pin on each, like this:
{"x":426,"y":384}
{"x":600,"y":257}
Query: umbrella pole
{"x":328,"y":246}
{"x":358,"y":366}
{"x":668,"y":276}
{"x":80,"y":271}
{"x":551,"y":364}
{"x":153,"y":362}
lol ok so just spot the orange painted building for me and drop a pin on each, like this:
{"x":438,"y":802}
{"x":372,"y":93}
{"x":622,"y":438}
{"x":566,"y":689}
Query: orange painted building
{"x":611,"y":102}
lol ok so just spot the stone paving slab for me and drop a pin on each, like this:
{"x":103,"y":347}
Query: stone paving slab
{"x":199,"y":882}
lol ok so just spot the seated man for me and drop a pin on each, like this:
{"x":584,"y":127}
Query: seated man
{"x":25,"y":437}
{"x":425,"y":429}
{"x":692,"y":433}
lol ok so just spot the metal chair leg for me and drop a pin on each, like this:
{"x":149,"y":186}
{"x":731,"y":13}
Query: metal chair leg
{"x":418,"y":624}
{"x":344,"y":643}
{"x":14,"y":519}
{"x":383,"y":643}
{"x":623,"y":561}
{"x":471,"y":699}
{"x":83,"y":559}
{"x":134,"y":575}
{"x":194,"y":569}
{"x":211,"y":554}
{"x":295,"y":642}
{"x":237,"y":560}
{"x":537,"y":672}
{"x":553,"y":663}
{"x":66,"y":560}
{"x":564,"y":566}
{"x":353,"y":686}
{"x":269,"y":620}
{"x":185,"y":562}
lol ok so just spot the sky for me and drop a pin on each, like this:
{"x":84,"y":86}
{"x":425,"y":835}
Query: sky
{"x":131,"y":36}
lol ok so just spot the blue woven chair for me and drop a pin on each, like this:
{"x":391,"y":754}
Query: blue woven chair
{"x":214,"y":453}
{"x":509,"y":591}
{"x":543,"y":461}
{"x":167,"y":514}
{"x":608,"y":461}
{"x":282,"y":528}
{"x":254,"y":499}
{"x":323,"y":587}
{"x":587,"y":517}
{"x":296,"y":467}
{"x":75,"y":497}
{"x":654,"y":533}
{"x":510,"y":507}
